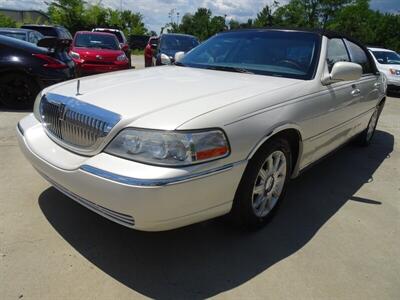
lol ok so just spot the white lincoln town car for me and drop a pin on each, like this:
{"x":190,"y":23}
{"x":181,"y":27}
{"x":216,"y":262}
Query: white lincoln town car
{"x":220,"y":131}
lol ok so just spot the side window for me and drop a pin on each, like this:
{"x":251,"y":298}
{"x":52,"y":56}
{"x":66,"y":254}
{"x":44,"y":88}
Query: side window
{"x":33,"y":38}
{"x":336,"y":52}
{"x":358,"y":55}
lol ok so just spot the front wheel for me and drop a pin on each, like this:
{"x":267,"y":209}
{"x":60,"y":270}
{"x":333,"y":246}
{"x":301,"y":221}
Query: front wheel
{"x":263,"y":185}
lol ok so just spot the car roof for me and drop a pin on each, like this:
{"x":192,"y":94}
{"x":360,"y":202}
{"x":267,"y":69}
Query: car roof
{"x":94,"y":32}
{"x":43,"y":26}
{"x":320,"y":32}
{"x":106,"y":29}
{"x":3,"y":29}
{"x":380,"y":49}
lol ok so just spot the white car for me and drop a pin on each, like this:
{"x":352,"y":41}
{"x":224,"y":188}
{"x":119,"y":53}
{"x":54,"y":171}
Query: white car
{"x":221,"y":131}
{"x":388,"y":63}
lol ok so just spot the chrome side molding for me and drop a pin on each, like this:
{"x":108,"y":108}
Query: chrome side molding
{"x":156,"y":182}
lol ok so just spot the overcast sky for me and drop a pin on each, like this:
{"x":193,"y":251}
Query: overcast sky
{"x":155,"y":12}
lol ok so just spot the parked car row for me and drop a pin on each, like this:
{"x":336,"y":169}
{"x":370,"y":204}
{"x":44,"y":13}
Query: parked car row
{"x":36,"y":56}
{"x":161,"y":50}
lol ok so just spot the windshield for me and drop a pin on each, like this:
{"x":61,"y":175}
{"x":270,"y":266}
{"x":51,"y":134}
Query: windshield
{"x":178,"y":43}
{"x":387,"y":57}
{"x":99,"y":41}
{"x":274,"y":53}
{"x":16,"y":35}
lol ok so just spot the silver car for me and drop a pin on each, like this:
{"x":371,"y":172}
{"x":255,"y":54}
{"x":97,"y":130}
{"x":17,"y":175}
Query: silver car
{"x":223,"y":130}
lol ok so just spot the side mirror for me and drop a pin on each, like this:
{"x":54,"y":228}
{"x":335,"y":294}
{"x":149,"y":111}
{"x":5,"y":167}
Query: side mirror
{"x":165,"y":60}
{"x":179,"y":55}
{"x":344,"y":71}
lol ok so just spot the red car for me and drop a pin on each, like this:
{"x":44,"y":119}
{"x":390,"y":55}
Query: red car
{"x":97,"y":52}
{"x":121,"y":39}
{"x":148,"y":51}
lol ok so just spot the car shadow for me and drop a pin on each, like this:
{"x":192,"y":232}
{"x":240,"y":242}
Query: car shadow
{"x":393,"y":94}
{"x":208,"y":258}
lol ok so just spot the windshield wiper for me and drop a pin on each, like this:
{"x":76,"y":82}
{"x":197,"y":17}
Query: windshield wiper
{"x":229,"y":69}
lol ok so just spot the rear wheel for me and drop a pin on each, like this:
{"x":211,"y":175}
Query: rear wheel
{"x":263,"y":185}
{"x":17,"y":91}
{"x":366,"y":136}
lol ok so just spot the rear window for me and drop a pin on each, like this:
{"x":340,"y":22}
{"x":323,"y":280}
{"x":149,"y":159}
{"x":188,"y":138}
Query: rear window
{"x":64,"y":34}
{"x":46,"y":31}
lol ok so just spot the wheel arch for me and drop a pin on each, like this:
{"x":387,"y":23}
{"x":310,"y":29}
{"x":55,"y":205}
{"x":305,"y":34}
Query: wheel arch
{"x":290,"y":132}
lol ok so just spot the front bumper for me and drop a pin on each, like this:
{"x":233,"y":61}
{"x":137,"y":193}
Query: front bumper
{"x":393,"y":81}
{"x":89,"y":69}
{"x":138,"y":196}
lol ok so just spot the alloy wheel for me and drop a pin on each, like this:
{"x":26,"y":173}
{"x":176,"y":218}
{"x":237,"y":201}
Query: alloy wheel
{"x":269,"y":183}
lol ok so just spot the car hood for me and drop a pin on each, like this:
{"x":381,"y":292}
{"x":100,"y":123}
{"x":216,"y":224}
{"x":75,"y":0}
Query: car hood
{"x":173,"y":94}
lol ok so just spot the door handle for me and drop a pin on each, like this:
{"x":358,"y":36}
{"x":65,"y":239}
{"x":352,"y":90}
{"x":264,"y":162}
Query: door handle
{"x":377,"y":84}
{"x":355,"y":92}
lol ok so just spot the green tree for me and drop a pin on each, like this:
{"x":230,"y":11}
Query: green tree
{"x":200,"y":24}
{"x":7,"y":22}
{"x":308,"y":13}
{"x":69,"y":13}
{"x":79,"y":15}
{"x":265,"y":17}
{"x":355,"y":20}
{"x":217,"y":24}
{"x":233,"y":24}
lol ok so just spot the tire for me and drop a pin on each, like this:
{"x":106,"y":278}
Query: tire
{"x":365,"y":137}
{"x":260,"y":194}
{"x":18,"y":91}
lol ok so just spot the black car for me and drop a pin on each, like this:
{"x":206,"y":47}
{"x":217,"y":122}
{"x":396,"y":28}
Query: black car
{"x":25,"y":68}
{"x":27,"y":35}
{"x":50,"y":30}
{"x":171,"y":43}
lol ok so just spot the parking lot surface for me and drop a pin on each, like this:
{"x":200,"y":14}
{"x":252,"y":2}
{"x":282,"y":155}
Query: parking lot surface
{"x":336,"y":236}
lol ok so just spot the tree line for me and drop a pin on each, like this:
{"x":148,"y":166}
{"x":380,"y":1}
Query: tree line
{"x":78,"y":15}
{"x":352,"y":17}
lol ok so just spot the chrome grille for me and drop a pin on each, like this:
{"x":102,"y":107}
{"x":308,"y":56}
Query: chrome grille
{"x":75,"y":123}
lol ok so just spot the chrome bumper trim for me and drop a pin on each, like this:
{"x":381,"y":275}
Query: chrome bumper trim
{"x":20,"y":129}
{"x":156,"y":182}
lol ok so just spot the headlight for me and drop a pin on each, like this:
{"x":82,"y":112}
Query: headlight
{"x":122,"y":57}
{"x":74,"y":55}
{"x":36,"y":106}
{"x":173,"y":148}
